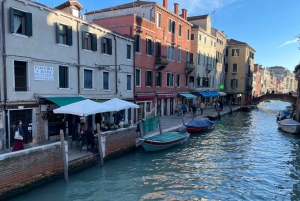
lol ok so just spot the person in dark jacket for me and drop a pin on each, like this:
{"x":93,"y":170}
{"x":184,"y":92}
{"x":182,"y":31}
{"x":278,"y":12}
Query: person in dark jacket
{"x":184,"y":109}
{"x":117,"y":117}
{"x":19,"y":145}
{"x":194,"y":109}
{"x":90,"y":139}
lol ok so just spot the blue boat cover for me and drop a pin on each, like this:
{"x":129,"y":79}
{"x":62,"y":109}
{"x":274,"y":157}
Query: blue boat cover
{"x":167,"y":137}
{"x":283,"y":113}
{"x":197,"y":123}
{"x":207,"y":94}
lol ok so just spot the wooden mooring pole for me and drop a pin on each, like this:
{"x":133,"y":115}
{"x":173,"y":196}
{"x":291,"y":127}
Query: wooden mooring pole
{"x":100,"y":145}
{"x":63,"y":152}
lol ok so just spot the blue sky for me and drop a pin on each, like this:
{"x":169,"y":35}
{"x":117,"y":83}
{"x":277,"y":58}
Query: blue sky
{"x":271,"y":27}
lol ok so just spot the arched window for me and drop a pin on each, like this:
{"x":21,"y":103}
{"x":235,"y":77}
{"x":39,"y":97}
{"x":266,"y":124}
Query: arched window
{"x":234,"y":68}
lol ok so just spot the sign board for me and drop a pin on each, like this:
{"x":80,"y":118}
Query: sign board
{"x":43,"y":73}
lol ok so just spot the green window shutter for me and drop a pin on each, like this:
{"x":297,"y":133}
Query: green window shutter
{"x":94,"y":42}
{"x":61,"y":76}
{"x":69,"y":35}
{"x":231,"y":83}
{"x":83,"y":40}
{"x":57,"y":32}
{"x":28,"y":24}
{"x":109,"y":46}
{"x":11,"y":14}
{"x":137,"y":43}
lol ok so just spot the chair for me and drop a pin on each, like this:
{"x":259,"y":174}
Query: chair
{"x":75,"y":138}
{"x":83,"y":142}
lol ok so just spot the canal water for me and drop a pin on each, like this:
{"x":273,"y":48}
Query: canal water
{"x":246,"y":157}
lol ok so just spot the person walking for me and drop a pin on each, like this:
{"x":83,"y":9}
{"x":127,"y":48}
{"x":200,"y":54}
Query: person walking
{"x":178,"y":110}
{"x":184,"y":109}
{"x":194,"y":109}
{"x":19,"y":145}
{"x":202,"y":106}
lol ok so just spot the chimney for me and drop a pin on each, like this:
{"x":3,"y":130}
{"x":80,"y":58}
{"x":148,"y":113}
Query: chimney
{"x":184,"y":13}
{"x":176,"y":5}
{"x":165,"y":4}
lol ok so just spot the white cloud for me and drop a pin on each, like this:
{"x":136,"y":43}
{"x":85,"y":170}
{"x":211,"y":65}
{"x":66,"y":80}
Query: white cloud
{"x":289,"y":42}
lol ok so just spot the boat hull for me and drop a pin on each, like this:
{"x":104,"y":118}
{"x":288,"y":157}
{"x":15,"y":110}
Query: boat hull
{"x":196,"y":129}
{"x":154,"y":145}
{"x":289,"y":126}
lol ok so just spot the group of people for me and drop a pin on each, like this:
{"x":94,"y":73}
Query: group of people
{"x":182,"y":107}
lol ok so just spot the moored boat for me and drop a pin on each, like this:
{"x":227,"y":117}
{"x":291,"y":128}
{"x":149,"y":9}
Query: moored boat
{"x":289,"y":125}
{"x":253,"y":106}
{"x":198,"y":125}
{"x":283,"y":114}
{"x":164,"y":141}
{"x":246,"y":108}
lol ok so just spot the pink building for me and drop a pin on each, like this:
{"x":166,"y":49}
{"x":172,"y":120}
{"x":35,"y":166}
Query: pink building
{"x":162,"y":52}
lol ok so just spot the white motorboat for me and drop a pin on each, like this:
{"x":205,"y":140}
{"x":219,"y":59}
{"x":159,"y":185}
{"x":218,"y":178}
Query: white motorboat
{"x":283,"y":114}
{"x":289,"y":125}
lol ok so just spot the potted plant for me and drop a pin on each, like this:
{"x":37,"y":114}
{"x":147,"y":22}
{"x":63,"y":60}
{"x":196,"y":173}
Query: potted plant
{"x":126,"y":125}
{"x":114,"y":127}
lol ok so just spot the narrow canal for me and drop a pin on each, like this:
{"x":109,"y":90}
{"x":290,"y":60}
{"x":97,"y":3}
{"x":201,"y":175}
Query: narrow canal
{"x":246,"y":157}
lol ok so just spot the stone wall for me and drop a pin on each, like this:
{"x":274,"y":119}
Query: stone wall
{"x":29,"y":168}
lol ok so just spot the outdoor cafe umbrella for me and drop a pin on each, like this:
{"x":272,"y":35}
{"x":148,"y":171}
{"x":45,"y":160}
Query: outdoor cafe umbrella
{"x":84,"y":108}
{"x":119,"y":104}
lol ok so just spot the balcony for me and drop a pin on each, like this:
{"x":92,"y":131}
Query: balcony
{"x":189,"y":67}
{"x":209,"y":67}
{"x":161,"y":62}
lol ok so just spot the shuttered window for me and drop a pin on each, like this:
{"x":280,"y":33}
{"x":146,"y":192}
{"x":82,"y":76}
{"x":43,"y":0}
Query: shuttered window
{"x":149,"y":47}
{"x":106,"y":46}
{"x":128,"y":52}
{"x":138,"y":77}
{"x":129,"y":82}
{"x":149,"y":78}
{"x":89,"y":41}
{"x":63,"y":34}
{"x":88,"y":79}
{"x":63,"y":77}
{"x":20,"y":22}
{"x":158,"y":79}
{"x":106,"y":80}
{"x":234,"y":83}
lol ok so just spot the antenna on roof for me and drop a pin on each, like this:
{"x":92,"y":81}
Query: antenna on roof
{"x":213,"y":12}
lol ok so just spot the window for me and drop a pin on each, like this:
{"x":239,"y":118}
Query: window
{"x":186,"y":80}
{"x":106,"y":46}
{"x":158,"y":79}
{"x":158,"y":48}
{"x":63,"y":77}
{"x":89,"y":41}
{"x":204,"y":39}
{"x":203,"y":60}
{"x":192,"y":36}
{"x":170,"y":52}
{"x":106,"y":80}
{"x":63,"y":34}
{"x":20,"y":70}
{"x":20,"y":22}
{"x":128,"y":52}
{"x":188,"y":34}
{"x":148,"y":106}
{"x":178,"y":80}
{"x":199,"y":37}
{"x":171,"y":26}
{"x":170,"y":79}
{"x":191,"y":57}
{"x":138,"y":43}
{"x":149,"y":78}
{"x":158,"y":20}
{"x":88,"y":79}
{"x":137,"y":77}
{"x":179,"y":30}
{"x":199,"y":57}
{"x":235,"y":52}
{"x":129,"y":82}
{"x":179,"y":55}
{"x":187,"y":55}
{"x":149,"y":47}
{"x":234,"y":68}
{"x":234,"y":83}
{"x":211,"y":43}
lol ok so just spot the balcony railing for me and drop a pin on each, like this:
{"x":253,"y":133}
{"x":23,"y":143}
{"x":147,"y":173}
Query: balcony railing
{"x":209,"y":67}
{"x":161,"y":62}
{"x":189,"y":67}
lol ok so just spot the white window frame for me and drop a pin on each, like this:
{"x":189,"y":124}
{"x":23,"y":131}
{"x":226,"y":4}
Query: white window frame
{"x":108,"y":81}
{"x":187,"y":34}
{"x":131,"y":85}
{"x":28,"y":76}
{"x":199,"y":37}
{"x":69,"y":77}
{"x":179,"y":55}
{"x":93,"y":77}
{"x":179,"y":30}
{"x":170,"y":52}
{"x":130,"y":52}
{"x":237,"y":67}
{"x":158,"y":22}
{"x":171,"y":21}
{"x":171,"y":79}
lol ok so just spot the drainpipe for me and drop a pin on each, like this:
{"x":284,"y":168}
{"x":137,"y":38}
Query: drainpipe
{"x":4,"y":73}
{"x":116,"y":67}
{"x":78,"y":56}
{"x":134,"y":75}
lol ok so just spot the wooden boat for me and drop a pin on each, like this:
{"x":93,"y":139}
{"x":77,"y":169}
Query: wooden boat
{"x":253,"y":106}
{"x":246,"y":108}
{"x":198,"y":125}
{"x":164,"y":141}
{"x":289,"y":125}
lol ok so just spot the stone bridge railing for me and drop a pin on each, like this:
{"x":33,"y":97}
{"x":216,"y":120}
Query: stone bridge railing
{"x":283,"y":97}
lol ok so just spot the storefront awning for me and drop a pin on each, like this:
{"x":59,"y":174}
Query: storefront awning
{"x":62,"y":101}
{"x":166,"y":95}
{"x":145,"y":96}
{"x":208,"y":94}
{"x":188,"y":95}
{"x":222,"y":93}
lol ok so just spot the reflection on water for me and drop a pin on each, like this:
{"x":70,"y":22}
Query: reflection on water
{"x":246,"y":157}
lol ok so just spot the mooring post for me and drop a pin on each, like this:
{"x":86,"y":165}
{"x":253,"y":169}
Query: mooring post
{"x":230,"y":101}
{"x":63,"y":152}
{"x":141,"y":128}
{"x":159,"y":123}
{"x":100,"y":145}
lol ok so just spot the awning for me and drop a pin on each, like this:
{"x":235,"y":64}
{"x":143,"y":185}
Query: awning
{"x":222,"y":93}
{"x":166,"y":95}
{"x":208,"y":94}
{"x":62,"y":101}
{"x":145,"y":96}
{"x":188,"y":95}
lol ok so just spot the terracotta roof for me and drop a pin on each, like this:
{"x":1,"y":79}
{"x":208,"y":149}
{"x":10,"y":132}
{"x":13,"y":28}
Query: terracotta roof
{"x":235,"y":42}
{"x":197,"y":17}
{"x":69,"y":3}
{"x":123,"y":6}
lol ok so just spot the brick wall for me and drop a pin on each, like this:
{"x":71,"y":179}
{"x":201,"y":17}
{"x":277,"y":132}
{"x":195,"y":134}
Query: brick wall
{"x":29,"y":168}
{"x":118,"y":142}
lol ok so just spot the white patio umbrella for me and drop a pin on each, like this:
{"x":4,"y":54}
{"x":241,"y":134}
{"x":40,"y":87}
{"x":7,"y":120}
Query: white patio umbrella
{"x":84,"y":108}
{"x":119,"y":104}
